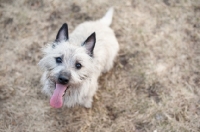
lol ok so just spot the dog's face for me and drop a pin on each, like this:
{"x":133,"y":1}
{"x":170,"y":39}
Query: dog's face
{"x":66,"y":65}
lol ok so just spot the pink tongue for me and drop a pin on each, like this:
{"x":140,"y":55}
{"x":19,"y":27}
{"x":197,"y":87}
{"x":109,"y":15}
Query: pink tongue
{"x":56,"y":100}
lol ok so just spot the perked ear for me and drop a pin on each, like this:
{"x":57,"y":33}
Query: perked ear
{"x":90,"y":43}
{"x":62,"y":33}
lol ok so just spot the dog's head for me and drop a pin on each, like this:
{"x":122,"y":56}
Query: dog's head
{"x":67,"y":64}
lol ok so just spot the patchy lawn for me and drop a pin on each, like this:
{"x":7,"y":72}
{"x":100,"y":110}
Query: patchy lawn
{"x":154,"y":85}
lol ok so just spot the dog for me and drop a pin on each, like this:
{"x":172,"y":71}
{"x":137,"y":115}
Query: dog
{"x":73,"y":63}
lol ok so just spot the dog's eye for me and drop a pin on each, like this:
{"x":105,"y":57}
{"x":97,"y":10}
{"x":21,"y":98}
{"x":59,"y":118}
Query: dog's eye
{"x":78,"y":65}
{"x":58,"y":60}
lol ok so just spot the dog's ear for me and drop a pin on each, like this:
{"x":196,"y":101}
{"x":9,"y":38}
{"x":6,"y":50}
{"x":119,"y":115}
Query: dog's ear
{"x":62,"y":33}
{"x":90,"y":43}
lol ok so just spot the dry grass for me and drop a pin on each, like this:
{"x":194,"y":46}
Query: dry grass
{"x":154,"y":84}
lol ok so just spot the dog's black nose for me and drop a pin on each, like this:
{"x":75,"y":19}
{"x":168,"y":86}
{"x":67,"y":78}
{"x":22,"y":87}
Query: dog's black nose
{"x":63,"y":79}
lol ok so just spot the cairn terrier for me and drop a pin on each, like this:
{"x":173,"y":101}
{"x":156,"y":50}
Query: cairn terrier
{"x":73,"y":63}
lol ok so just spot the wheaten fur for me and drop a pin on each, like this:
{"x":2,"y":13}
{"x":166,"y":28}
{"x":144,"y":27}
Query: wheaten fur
{"x":81,"y":91}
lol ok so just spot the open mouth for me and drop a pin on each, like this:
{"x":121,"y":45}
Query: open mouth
{"x":56,"y":100}
{"x":65,"y":92}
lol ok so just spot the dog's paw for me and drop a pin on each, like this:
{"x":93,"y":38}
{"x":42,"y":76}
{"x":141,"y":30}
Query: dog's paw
{"x":87,"y":102}
{"x":88,"y":105}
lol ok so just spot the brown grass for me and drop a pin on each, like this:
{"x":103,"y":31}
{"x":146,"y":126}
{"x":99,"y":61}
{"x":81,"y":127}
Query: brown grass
{"x":154,"y":85}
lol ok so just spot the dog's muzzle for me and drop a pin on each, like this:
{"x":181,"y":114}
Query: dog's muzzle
{"x":64,"y":77}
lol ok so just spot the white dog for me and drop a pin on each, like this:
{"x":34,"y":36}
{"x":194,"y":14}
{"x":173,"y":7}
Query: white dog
{"x":72,"y":64}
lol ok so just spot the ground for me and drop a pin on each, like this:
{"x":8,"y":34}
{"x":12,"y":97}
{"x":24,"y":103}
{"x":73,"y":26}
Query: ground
{"x":154,"y":85}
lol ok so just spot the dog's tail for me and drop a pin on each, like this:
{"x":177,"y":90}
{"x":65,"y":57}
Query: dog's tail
{"x":107,"y":18}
